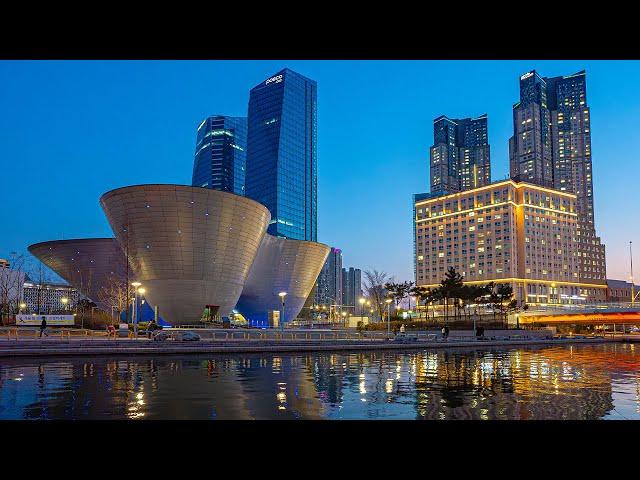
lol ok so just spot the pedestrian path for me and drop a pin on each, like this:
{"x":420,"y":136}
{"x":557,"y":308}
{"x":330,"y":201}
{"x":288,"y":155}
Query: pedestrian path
{"x":103,"y":346}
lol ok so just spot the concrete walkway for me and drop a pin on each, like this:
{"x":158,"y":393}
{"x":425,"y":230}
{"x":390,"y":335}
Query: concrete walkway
{"x":102,"y":346}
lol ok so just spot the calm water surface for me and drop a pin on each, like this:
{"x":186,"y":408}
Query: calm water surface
{"x":563,"y":382}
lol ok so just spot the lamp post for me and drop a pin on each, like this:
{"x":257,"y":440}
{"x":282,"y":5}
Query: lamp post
{"x":141,"y":291}
{"x":134,"y":308}
{"x":361,"y":302}
{"x":344,"y":318}
{"x":282,"y":295}
{"x":64,"y":301}
{"x":22,"y":306}
{"x":388,"y":302}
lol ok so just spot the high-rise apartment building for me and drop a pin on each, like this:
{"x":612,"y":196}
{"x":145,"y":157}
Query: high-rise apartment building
{"x":351,"y":286}
{"x":460,"y":155}
{"x":281,"y":153}
{"x":329,"y":291}
{"x":506,"y":232}
{"x":220,"y":156}
{"x":551,"y":147}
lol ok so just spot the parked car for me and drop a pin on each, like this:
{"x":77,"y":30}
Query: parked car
{"x":188,"y":336}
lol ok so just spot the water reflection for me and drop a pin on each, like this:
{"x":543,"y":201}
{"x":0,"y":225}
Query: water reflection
{"x":573,"y":382}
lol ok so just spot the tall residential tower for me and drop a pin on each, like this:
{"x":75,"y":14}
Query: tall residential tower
{"x":551,"y":146}
{"x":281,"y":153}
{"x":460,"y":157}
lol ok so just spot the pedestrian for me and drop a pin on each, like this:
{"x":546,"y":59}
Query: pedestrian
{"x":402,"y":329}
{"x":150,"y":328}
{"x":395,"y":330}
{"x":43,"y":327}
{"x":444,"y":332}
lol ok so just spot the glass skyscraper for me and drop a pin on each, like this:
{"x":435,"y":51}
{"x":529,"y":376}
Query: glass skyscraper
{"x":281,"y":153}
{"x":460,"y":155}
{"x":220,"y":157}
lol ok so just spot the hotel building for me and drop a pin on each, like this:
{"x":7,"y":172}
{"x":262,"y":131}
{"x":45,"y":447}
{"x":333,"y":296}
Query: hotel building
{"x":505,"y":232}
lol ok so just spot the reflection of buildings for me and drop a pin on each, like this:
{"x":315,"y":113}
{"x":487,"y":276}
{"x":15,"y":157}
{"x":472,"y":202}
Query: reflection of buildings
{"x":523,"y":384}
{"x":535,"y":383}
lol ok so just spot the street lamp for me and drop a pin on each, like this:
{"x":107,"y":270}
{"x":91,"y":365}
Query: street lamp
{"x":388,"y":302}
{"x":361,"y":301}
{"x":344,"y":318}
{"x":282,"y":295}
{"x":64,"y":301}
{"x":23,"y":306}
{"x":134,"y":313}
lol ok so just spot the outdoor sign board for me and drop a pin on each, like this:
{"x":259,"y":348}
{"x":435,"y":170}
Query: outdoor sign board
{"x":32,"y":320}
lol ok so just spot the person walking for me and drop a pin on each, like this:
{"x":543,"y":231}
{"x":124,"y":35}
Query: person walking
{"x":402,"y":329}
{"x":43,"y":327}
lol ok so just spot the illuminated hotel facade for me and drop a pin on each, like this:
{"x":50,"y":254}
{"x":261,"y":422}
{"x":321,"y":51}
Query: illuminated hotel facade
{"x":506,"y":232}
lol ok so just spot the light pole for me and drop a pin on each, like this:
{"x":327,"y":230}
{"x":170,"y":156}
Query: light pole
{"x":361,"y":302}
{"x":388,"y":302}
{"x":633,"y":296}
{"x":64,"y":301}
{"x":22,"y":306}
{"x":282,"y":295}
{"x":344,"y":318}
{"x":141,"y":291}
{"x":135,"y":308}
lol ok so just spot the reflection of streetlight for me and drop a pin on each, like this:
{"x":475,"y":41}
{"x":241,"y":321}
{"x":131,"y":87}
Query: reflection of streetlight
{"x":388,"y":302}
{"x":282,"y":295}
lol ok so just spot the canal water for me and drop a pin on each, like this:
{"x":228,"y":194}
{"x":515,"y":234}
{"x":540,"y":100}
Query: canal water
{"x":562,"y":382}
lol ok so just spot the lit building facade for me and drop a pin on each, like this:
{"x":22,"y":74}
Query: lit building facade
{"x":506,"y":232}
{"x":47,"y":298}
{"x":551,"y":146}
{"x":220,"y":157}
{"x":621,"y":291}
{"x":351,"y":286}
{"x":329,"y":291}
{"x":460,"y":155}
{"x":282,"y":155}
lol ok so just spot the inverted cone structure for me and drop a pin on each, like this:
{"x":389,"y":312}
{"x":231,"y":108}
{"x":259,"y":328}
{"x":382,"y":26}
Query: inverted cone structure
{"x":190,"y":247}
{"x":88,"y":264}
{"x":282,"y":265}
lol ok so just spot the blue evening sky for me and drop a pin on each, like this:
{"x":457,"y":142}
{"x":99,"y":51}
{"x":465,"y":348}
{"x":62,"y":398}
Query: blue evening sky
{"x":71,"y":130}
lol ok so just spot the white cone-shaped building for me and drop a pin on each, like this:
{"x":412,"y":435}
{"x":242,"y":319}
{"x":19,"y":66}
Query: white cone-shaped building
{"x":282,"y":265}
{"x":190,"y":247}
{"x":88,"y":264}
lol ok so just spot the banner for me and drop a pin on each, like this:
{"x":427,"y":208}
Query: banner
{"x":52,"y":320}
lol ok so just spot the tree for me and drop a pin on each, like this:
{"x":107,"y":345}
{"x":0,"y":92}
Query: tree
{"x":450,"y":288}
{"x":11,"y":280}
{"x":502,"y":300}
{"x":116,"y":293}
{"x":398,"y":291}
{"x":374,"y":287}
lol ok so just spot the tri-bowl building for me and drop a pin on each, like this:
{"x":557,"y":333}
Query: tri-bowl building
{"x":195,"y":250}
{"x":281,"y":266}
{"x":89,"y":264}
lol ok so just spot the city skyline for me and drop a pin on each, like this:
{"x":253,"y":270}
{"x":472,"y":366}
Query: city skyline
{"x":354,"y":173}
